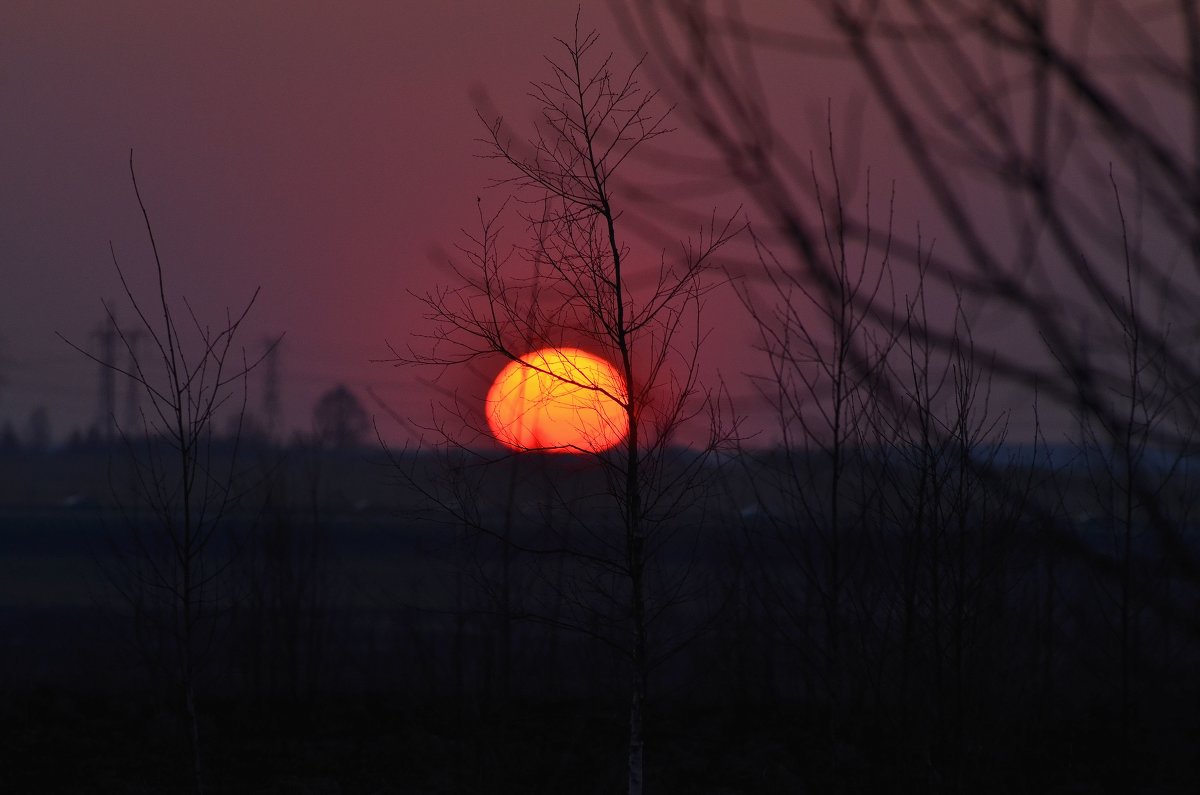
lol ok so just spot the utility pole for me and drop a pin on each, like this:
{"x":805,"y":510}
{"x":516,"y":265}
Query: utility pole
{"x":106,"y":391}
{"x":132,"y":388}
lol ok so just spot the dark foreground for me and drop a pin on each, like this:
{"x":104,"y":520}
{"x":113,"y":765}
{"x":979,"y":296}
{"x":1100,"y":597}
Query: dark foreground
{"x":60,"y":741}
{"x":364,"y":644}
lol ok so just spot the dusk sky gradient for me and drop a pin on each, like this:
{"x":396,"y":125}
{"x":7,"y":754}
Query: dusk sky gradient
{"x":326,"y":153}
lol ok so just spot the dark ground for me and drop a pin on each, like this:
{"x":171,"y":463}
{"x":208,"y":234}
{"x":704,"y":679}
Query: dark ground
{"x":396,"y":685}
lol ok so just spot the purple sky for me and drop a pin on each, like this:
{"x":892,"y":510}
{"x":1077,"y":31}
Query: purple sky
{"x":321,"y":151}
{"x":325,"y":153}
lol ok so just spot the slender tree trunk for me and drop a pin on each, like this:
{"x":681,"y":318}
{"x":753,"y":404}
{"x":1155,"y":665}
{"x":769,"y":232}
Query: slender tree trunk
{"x":1126,"y":619}
{"x":634,"y":542}
{"x":506,"y":616}
{"x":1048,"y":641}
{"x":638,"y":609}
{"x":193,"y":735}
{"x":636,"y":566}
{"x":187,"y":560}
{"x":636,"y":741}
{"x":192,"y":723}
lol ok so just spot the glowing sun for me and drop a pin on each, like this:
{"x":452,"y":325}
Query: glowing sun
{"x":560,"y":400}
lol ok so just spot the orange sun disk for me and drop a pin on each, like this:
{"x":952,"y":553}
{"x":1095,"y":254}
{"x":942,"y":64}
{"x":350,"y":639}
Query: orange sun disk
{"x":559,"y":400}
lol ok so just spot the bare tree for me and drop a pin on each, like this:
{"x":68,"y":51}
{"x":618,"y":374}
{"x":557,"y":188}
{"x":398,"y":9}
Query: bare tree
{"x":879,"y":488}
{"x":1004,"y":99}
{"x":579,"y":284}
{"x":284,"y":583}
{"x":825,"y":358}
{"x":339,"y":419}
{"x":1126,"y":469}
{"x":1017,"y":120}
{"x":169,"y":571}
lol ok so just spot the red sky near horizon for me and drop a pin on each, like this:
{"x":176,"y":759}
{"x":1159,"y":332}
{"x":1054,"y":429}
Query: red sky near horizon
{"x":325,"y":154}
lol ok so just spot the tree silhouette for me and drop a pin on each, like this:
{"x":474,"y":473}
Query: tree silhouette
{"x":339,"y":419}
{"x":578,"y":283}
{"x":1056,"y":148}
{"x":169,"y":572}
{"x":1004,"y":99}
{"x":39,"y":436}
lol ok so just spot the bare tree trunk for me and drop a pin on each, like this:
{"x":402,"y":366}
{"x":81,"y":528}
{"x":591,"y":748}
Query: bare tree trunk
{"x":188,"y":493}
{"x":506,"y":607}
{"x":579,"y":293}
{"x":189,"y":696}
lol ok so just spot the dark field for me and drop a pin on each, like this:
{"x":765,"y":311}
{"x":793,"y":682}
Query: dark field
{"x":365,"y":640}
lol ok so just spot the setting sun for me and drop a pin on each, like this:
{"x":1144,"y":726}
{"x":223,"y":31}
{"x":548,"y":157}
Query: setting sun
{"x":559,"y":400}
